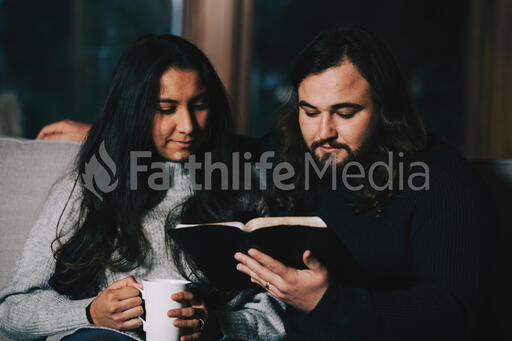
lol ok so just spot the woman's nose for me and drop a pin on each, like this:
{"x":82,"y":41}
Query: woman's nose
{"x":185,"y":124}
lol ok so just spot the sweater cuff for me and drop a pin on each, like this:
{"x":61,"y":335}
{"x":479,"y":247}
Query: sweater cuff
{"x":88,"y":313}
{"x":319,"y":315}
{"x":75,"y":314}
{"x":328,"y":303}
{"x":236,"y":325}
{"x":227,"y":324}
{"x":341,"y":308}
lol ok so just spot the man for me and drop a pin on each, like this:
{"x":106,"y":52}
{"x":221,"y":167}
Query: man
{"x":415,"y":225}
{"x":407,"y":208}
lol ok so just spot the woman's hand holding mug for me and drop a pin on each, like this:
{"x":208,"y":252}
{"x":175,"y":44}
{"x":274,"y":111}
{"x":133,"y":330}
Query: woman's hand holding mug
{"x":171,"y":309}
{"x":118,"y":306}
{"x":193,"y":315}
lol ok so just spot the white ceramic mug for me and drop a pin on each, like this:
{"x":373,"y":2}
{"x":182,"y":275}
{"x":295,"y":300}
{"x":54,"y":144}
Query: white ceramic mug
{"x":157,"y":299}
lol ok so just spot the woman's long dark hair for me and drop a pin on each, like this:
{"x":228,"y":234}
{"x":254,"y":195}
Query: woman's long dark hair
{"x":112,"y":225}
{"x":398,"y":128}
{"x":220,"y":204}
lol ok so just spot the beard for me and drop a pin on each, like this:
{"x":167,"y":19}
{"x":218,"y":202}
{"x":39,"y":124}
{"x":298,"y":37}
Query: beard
{"x":357,"y":155}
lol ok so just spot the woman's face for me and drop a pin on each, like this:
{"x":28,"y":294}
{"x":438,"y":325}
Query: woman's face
{"x":181,"y":115}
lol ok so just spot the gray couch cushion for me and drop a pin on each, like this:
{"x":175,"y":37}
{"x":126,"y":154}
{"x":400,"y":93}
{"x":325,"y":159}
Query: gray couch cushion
{"x":28,"y":168}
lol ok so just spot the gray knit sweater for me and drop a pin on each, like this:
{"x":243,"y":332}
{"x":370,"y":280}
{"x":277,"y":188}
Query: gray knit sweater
{"x":30,"y":308}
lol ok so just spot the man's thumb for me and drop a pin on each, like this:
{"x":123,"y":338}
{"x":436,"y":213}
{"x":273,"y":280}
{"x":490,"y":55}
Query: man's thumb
{"x":310,"y":261}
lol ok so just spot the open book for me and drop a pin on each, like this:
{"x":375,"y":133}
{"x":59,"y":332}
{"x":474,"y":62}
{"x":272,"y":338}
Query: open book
{"x":259,"y":223}
{"x":212,"y":246}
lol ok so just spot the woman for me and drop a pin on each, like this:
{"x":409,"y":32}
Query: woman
{"x":166,"y":101}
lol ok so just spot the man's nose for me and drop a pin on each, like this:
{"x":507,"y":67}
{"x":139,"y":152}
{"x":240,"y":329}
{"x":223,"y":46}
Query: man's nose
{"x":327,"y":128}
{"x":185,"y":124}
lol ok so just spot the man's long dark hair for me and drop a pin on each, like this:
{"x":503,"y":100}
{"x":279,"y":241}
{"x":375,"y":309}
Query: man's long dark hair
{"x":113,"y":225}
{"x":398,"y":127}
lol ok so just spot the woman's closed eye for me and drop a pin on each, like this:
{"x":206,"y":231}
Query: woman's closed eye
{"x":200,"y":106}
{"x":167,"y":110}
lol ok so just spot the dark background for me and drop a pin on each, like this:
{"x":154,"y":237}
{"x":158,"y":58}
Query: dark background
{"x":428,"y":39}
{"x":57,"y":56}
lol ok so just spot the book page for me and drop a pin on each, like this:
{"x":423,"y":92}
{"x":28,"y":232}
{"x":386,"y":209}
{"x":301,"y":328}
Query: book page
{"x":236,"y":224}
{"x":258,"y":223}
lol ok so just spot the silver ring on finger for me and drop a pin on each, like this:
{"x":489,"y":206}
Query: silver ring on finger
{"x":267,"y":285}
{"x":202,"y":324}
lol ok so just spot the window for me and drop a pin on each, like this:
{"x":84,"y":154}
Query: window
{"x":57,"y":56}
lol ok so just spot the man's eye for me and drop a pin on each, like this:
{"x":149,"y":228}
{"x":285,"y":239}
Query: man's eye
{"x":311,"y":114}
{"x":171,"y":110}
{"x":349,"y":114}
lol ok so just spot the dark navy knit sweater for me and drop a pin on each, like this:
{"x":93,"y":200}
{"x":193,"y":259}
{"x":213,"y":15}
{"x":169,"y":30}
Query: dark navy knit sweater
{"x":423,"y":261}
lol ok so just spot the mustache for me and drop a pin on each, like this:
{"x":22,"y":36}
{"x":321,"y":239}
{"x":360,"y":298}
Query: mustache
{"x":332,"y":143}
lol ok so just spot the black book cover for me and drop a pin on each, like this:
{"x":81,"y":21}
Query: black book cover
{"x":212,"y":248}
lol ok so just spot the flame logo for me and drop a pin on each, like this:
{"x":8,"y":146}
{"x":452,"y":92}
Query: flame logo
{"x":97,"y":177}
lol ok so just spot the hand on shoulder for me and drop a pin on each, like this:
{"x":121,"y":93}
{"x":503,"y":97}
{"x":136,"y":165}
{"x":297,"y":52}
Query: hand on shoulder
{"x":65,"y":130}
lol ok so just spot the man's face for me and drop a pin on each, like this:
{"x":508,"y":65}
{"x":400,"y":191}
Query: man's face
{"x":336,"y":112}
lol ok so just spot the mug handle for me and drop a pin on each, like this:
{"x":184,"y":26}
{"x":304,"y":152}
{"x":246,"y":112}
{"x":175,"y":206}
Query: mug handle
{"x":140,"y":290}
{"x":143,"y":323}
{"x":140,"y":318}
